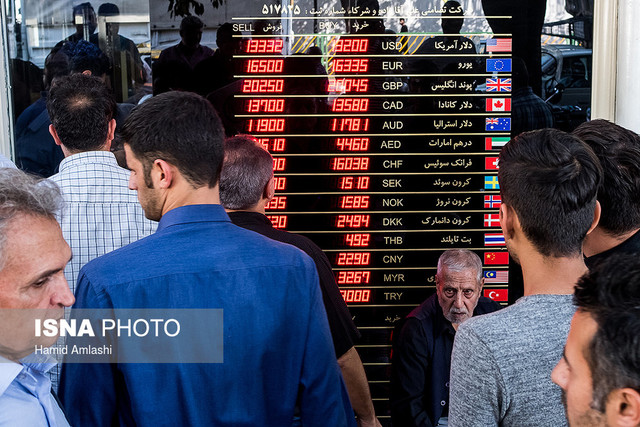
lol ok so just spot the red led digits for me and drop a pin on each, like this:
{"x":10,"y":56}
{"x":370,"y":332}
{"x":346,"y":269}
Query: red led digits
{"x":352,"y":144}
{"x":357,"y":240}
{"x":353,"y":221}
{"x":354,"y":182}
{"x":354,"y":202}
{"x":277,"y":203}
{"x":351,"y":46}
{"x":348,"y":85}
{"x":263,"y":86}
{"x":353,"y":277}
{"x":265,"y":125}
{"x":356,"y":295}
{"x":280,"y":183}
{"x":350,"y":124}
{"x":264,"y":66}
{"x":279,"y":164}
{"x":273,"y":145}
{"x":350,"y":65}
{"x":350,"y":163}
{"x":278,"y":221}
{"x":265,"y":105}
{"x":264,"y":46}
{"x":353,"y":258}
{"x":350,"y":105}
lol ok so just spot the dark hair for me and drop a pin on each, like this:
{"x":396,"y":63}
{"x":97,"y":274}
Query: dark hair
{"x":245,"y":173}
{"x":550,"y":178}
{"x":108,"y":9}
{"x":84,"y":55}
{"x":55,"y":65}
{"x":80,"y":108}
{"x":618,"y":150}
{"x":190,"y":23}
{"x":610,"y":293}
{"x":83,"y":8}
{"x":181,"y":128}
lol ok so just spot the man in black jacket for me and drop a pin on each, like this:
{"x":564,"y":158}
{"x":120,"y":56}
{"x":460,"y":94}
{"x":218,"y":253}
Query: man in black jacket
{"x":246,"y":186}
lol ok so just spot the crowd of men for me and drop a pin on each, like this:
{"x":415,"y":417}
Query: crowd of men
{"x":193,"y":235}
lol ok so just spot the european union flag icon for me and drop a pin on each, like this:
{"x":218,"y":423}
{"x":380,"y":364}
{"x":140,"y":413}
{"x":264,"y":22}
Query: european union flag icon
{"x":498,"y":124}
{"x":501,"y":65}
{"x":491,"y":183}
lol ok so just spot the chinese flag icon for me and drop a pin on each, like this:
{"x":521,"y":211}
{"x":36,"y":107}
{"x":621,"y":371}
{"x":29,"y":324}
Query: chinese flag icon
{"x":496,"y":258}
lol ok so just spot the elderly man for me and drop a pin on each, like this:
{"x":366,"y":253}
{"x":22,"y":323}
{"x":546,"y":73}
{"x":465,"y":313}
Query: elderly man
{"x":618,"y":150}
{"x":599,"y":372}
{"x":246,"y":186}
{"x":422,"y":348}
{"x":501,"y":362}
{"x":33,"y":255}
{"x":277,"y":347}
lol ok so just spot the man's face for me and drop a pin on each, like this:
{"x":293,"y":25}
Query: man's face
{"x":148,"y":196}
{"x":573,"y":375}
{"x":458,"y":293}
{"x":32,"y":283}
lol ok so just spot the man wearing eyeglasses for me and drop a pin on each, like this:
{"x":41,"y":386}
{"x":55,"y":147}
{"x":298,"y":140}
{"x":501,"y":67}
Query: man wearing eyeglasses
{"x":422,"y":345}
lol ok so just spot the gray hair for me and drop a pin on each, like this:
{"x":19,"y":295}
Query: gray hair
{"x":25,"y":194}
{"x":246,"y":170}
{"x":459,"y":260}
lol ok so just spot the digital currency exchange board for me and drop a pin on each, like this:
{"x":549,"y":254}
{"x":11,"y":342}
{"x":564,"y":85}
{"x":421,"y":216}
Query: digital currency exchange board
{"x":385,"y":146}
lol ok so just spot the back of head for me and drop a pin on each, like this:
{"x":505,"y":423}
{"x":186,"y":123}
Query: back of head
{"x":247,"y":169}
{"x":55,"y":65}
{"x":460,"y":260}
{"x":618,"y":150}
{"x":85,"y":56}
{"x":610,"y":293}
{"x":80,"y":108}
{"x":452,"y":17}
{"x":191,"y":23}
{"x":23,"y":194}
{"x":550,"y":179}
{"x":181,"y":128}
{"x":108,"y":9}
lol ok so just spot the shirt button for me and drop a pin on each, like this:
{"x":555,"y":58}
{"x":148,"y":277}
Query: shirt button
{"x":446,"y":384}
{"x":442,"y":403}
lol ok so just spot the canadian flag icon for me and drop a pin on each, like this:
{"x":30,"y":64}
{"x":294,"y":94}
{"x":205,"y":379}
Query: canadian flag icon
{"x":498,"y":104}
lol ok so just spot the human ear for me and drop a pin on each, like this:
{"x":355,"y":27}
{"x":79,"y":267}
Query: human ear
{"x":623,"y":408}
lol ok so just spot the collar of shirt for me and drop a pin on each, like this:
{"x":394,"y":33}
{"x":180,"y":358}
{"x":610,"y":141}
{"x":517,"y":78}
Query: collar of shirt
{"x":442,"y":324}
{"x":9,"y":370}
{"x":193,"y":213}
{"x":88,"y":157}
{"x":247,"y":218}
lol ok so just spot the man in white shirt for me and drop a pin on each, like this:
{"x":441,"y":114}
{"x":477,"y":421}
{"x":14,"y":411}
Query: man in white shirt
{"x":102,"y":214}
{"x":33,"y":255}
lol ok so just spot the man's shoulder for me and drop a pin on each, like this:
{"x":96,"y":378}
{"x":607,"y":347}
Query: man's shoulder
{"x":534,"y":315}
{"x":221,"y":247}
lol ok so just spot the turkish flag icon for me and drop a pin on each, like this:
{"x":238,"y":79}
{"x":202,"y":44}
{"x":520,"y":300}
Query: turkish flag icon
{"x":498,"y":104}
{"x":501,"y":295}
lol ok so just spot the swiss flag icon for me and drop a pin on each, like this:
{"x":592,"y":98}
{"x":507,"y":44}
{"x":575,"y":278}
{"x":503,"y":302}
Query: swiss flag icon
{"x":498,"y":104}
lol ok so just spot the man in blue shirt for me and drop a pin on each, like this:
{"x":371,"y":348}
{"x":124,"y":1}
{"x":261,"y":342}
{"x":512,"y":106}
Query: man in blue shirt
{"x":278,"y":354}
{"x":32,"y":286}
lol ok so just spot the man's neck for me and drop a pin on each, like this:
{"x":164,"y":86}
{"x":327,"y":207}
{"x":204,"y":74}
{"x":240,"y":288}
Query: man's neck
{"x":550,"y":275}
{"x":600,"y":240}
{"x":200,"y":196}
